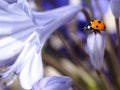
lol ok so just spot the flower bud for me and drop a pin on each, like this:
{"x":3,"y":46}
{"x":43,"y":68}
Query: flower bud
{"x":96,"y":47}
{"x":53,"y":83}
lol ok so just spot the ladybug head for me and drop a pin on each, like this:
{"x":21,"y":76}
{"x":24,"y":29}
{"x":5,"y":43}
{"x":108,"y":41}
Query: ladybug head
{"x":87,"y":28}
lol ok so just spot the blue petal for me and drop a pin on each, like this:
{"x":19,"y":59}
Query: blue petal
{"x":20,"y":24}
{"x":20,"y":29}
{"x":96,"y":47}
{"x":53,"y":83}
{"x":11,"y":1}
{"x":115,"y":7}
{"x":56,"y":18}
{"x":103,"y":5}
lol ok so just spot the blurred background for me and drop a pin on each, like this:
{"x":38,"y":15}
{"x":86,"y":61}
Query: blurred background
{"x":65,"y":53}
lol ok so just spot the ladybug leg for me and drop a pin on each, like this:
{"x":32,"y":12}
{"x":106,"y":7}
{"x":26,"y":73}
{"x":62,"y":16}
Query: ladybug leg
{"x":84,"y":29}
{"x":96,"y":31}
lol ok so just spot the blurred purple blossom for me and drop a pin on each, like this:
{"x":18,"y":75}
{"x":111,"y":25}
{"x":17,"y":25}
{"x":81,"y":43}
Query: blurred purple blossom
{"x":51,"y":4}
{"x":98,"y":6}
{"x":11,"y":1}
{"x":5,"y":88}
{"x":23,"y":34}
{"x":53,"y":83}
{"x":103,"y":7}
{"x":96,"y":47}
{"x":115,"y":7}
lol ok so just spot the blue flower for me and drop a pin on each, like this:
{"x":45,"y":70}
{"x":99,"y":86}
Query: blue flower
{"x":99,"y":7}
{"x":5,"y":88}
{"x":115,"y":7}
{"x":23,"y":34}
{"x":53,"y":83}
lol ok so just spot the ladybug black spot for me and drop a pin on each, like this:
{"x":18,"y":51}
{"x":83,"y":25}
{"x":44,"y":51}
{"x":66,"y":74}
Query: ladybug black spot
{"x":91,"y":28}
{"x":99,"y":21}
{"x":104,"y":27}
{"x":97,"y":26}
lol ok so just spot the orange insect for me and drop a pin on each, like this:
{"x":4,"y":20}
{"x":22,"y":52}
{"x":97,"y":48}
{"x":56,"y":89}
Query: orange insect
{"x":95,"y":25}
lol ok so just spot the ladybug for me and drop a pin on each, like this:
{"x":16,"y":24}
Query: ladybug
{"x":94,"y":26}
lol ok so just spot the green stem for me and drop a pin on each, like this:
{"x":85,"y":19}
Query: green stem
{"x":87,"y":15}
{"x":90,"y":8}
{"x":54,"y":63}
{"x":112,"y":62}
{"x":105,"y":83}
{"x":118,"y":33}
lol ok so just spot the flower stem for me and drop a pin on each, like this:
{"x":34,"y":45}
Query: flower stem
{"x":118,"y":33}
{"x":90,"y":8}
{"x":87,"y":15}
{"x":105,"y":83}
{"x":53,"y":62}
{"x":112,"y":62}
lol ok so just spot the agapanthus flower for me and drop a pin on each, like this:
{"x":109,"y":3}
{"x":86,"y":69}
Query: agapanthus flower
{"x":96,"y":47}
{"x":115,"y":7}
{"x":99,"y":7}
{"x":53,"y":83}
{"x":23,"y":33}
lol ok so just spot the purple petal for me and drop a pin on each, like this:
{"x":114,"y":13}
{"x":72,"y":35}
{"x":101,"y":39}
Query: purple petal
{"x":103,"y":5}
{"x":55,"y":19}
{"x":5,"y":88}
{"x":46,"y":4}
{"x":24,"y":33}
{"x":98,"y":6}
{"x":31,"y":72}
{"x":96,"y":47}
{"x":19,"y":26}
{"x":53,"y":83}
{"x":11,"y":1}
{"x":115,"y":7}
